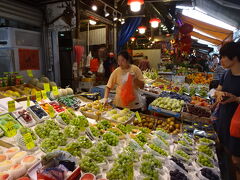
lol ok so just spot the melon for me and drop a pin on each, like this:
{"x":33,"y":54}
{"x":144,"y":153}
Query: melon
{"x":33,"y":81}
{"x":69,"y":91}
{"x":40,"y":85}
{"x":60,"y":92}
{"x":64,"y":92}
{"x":52,"y":84}
{"x":44,"y":80}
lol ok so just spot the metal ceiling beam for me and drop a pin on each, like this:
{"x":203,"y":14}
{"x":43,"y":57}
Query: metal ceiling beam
{"x":43,"y":2}
{"x":102,"y":19}
{"x":164,"y":1}
{"x":157,"y":11}
{"x":228,"y":4}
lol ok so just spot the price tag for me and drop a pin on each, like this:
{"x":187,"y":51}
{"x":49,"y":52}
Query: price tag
{"x":11,"y":106}
{"x":55,"y":90}
{"x":51,"y":111}
{"x":81,"y":124}
{"x":30,"y":73}
{"x":10,"y":130}
{"x":138,"y":117}
{"x":38,"y":96}
{"x":28,"y":140}
{"x":44,"y":94}
{"x":28,"y":101}
{"x":46,"y":87}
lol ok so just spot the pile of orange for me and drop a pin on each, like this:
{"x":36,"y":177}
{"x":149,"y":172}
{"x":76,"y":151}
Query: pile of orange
{"x":200,"y":78}
{"x":199,"y":101}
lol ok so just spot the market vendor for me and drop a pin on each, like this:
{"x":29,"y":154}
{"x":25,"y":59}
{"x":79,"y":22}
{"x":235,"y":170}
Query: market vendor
{"x":120,"y":75}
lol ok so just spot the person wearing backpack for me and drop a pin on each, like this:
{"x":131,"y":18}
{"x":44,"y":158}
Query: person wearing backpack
{"x":227,"y":95}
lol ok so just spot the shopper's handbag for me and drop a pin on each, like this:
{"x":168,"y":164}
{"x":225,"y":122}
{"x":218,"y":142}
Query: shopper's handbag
{"x":235,"y":124}
{"x":127,"y":91}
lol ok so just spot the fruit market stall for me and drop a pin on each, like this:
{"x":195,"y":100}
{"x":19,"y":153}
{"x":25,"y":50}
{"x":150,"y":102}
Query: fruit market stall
{"x":88,"y":140}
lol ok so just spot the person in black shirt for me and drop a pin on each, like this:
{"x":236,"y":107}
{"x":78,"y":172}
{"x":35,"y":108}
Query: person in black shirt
{"x":228,"y":96}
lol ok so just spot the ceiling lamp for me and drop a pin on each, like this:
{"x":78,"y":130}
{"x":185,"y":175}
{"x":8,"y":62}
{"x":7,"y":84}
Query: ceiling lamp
{"x":154,"y":22}
{"x":115,"y":18}
{"x":132,"y":39}
{"x":94,"y":7}
{"x":142,"y":29}
{"x":105,"y":11}
{"x":135,"y":5}
{"x":92,"y":22}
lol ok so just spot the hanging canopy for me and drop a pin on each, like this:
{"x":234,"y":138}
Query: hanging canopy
{"x":219,"y":34}
{"x":206,"y":38}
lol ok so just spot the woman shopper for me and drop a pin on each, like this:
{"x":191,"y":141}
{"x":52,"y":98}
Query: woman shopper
{"x":120,"y":76}
{"x":228,"y":96}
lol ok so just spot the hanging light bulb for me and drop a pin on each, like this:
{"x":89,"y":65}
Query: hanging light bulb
{"x":132,"y":39}
{"x":135,"y":5}
{"x":154,"y":22}
{"x":105,"y":11}
{"x":123,"y":21}
{"x":142,"y":29}
{"x":115,"y":18}
{"x":94,"y":7}
{"x":92,"y":22}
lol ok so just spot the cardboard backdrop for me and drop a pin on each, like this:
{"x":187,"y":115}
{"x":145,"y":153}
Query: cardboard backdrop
{"x":28,"y":59}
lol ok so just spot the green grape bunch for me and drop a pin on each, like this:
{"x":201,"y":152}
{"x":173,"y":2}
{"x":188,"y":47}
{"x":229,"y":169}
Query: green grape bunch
{"x":158,"y":149}
{"x":48,"y":145}
{"x":111,"y":139}
{"x":58,"y":137}
{"x":84,"y":142}
{"x":95,"y":155}
{"x":104,"y":148}
{"x":89,"y":165}
{"x":71,"y":131}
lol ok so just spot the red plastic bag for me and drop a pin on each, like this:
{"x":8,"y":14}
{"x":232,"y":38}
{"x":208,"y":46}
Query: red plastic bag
{"x":127,"y":91}
{"x":235,"y":124}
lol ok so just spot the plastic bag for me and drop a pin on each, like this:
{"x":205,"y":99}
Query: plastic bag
{"x":127,"y":91}
{"x":235,"y":124}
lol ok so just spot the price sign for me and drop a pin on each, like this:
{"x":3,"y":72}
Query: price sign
{"x":138,"y":116}
{"x":44,"y":94}
{"x":28,"y":101}
{"x":46,"y":87}
{"x":28,"y":140}
{"x":11,"y":106}
{"x":10,"y":129}
{"x":30,"y":73}
{"x":51,"y":111}
{"x":81,"y":124}
{"x":55,"y":90}
{"x":38,"y":96}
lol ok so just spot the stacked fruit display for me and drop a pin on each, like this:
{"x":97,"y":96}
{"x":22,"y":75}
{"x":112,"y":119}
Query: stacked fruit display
{"x":28,"y":91}
{"x":96,"y":108}
{"x":199,"y":101}
{"x":48,"y":108}
{"x":168,"y":103}
{"x":200,"y":78}
{"x":170,"y":125}
{"x":39,"y":112}
{"x":11,"y":93}
{"x":121,"y":116}
{"x":57,"y":107}
{"x":25,"y":115}
{"x":150,"y":74}
{"x":174,"y":95}
{"x":146,"y":121}
{"x":197,"y":110}
{"x":70,"y":101}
